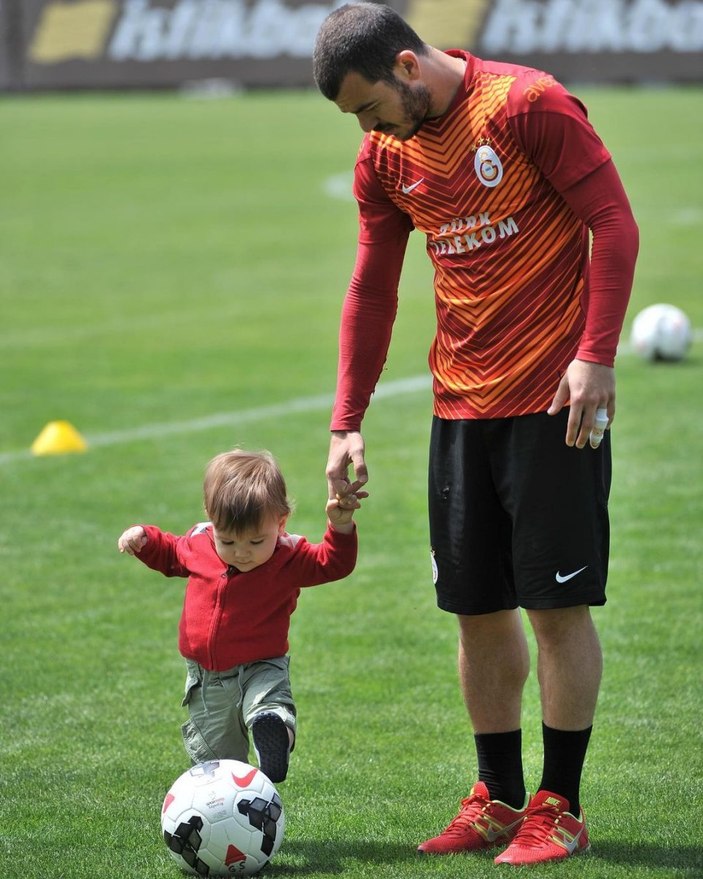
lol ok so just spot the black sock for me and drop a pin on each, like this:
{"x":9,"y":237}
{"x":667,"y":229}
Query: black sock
{"x":564,"y":755}
{"x":500,"y":766}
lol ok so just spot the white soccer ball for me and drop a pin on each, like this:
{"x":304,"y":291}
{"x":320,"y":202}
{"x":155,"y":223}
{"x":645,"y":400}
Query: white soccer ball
{"x":222,"y":818}
{"x":661,"y":332}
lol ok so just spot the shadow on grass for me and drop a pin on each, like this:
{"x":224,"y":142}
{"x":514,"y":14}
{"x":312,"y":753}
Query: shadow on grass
{"x":310,"y":857}
{"x":686,"y":858}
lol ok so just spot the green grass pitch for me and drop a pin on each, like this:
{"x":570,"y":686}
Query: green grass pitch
{"x":171,"y":273}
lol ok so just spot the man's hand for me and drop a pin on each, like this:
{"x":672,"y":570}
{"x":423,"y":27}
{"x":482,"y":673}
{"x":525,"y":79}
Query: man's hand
{"x":586,"y":387}
{"x":346,"y":448}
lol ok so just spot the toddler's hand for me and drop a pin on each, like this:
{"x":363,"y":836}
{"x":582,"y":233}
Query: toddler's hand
{"x":340,"y":509}
{"x":132,"y":541}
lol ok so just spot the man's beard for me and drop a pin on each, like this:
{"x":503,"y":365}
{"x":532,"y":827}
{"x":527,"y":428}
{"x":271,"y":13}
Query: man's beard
{"x":416,"y":108}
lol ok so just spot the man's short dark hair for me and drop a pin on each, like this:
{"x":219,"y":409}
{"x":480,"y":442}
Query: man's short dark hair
{"x":364,"y":38}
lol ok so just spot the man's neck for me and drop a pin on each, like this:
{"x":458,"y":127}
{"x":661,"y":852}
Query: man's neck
{"x":444,"y":76}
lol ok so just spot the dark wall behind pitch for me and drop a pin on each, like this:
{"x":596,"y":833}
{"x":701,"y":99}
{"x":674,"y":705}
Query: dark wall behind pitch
{"x":116,"y":44}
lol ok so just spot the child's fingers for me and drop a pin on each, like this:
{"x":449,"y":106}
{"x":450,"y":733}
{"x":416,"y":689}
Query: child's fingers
{"x":132,"y":541}
{"x":348,"y":502}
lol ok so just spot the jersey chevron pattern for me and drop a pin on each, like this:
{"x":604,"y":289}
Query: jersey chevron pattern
{"x":510,"y":258}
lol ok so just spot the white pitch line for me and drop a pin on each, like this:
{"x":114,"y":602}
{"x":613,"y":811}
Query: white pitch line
{"x":230,"y":419}
{"x":247,"y":416}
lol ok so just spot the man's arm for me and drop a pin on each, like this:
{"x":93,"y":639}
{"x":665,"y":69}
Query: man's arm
{"x":555,"y":133}
{"x":589,"y":383}
{"x":368,"y":314}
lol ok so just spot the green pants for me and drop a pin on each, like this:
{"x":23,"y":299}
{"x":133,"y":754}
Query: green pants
{"x":223,"y":705}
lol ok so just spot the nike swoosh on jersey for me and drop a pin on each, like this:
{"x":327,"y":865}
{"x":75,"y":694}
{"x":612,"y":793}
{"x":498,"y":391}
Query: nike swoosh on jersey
{"x":562,"y":578}
{"x":408,"y":189}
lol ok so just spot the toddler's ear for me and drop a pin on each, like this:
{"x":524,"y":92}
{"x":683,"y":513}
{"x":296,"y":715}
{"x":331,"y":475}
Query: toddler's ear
{"x":282,"y":524}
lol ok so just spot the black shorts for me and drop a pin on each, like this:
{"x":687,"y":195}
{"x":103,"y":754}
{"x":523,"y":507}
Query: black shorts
{"x":517,"y":518}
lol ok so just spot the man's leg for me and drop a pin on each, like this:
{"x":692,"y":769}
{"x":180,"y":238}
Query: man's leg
{"x":569,"y":666}
{"x":569,"y":670}
{"x":493,"y":666}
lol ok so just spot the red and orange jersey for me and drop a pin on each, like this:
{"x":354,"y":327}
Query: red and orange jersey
{"x":483,"y":183}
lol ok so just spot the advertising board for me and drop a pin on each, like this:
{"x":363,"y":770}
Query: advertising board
{"x":124,"y":44}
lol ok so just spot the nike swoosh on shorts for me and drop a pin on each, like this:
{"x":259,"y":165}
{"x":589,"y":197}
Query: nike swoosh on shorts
{"x":562,"y":578}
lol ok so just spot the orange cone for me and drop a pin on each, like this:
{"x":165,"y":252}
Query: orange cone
{"x":58,"y":438}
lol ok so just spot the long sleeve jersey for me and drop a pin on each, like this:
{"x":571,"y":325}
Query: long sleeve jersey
{"x":229,"y":617}
{"x":505,"y":185}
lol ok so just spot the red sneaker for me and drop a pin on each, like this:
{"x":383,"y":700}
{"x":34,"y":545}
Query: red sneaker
{"x":548,"y":833}
{"x":481,"y":823}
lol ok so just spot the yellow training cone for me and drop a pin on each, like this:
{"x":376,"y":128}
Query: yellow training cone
{"x":57,"y":438}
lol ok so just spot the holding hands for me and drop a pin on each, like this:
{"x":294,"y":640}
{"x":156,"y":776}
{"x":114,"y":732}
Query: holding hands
{"x":340,"y":510}
{"x":346,"y":449}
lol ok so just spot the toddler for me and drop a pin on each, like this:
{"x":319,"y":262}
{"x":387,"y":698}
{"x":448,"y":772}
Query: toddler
{"x":244,"y":574}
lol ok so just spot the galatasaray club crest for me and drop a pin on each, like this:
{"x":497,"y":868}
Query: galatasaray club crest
{"x":487,"y":165}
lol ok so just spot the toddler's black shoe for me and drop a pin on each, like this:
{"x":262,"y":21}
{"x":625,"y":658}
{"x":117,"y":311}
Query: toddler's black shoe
{"x":272,"y":745}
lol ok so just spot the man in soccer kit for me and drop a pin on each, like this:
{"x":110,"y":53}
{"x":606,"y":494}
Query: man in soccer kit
{"x":501,"y":170}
